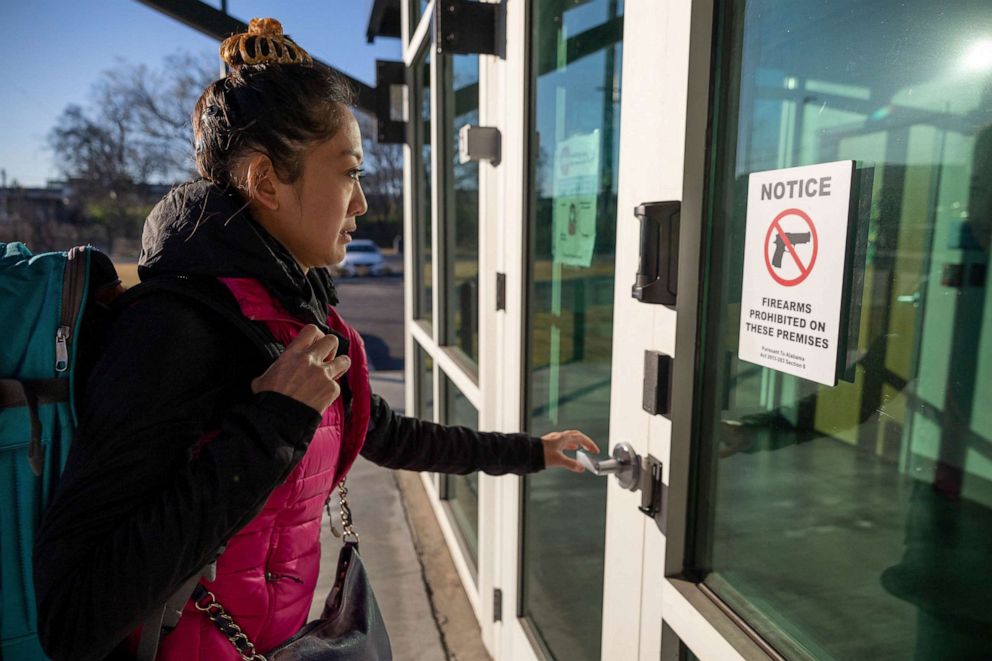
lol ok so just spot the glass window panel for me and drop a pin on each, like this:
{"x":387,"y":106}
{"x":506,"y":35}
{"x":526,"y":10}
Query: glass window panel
{"x":462,"y":491}
{"x":422,"y":189}
{"x":572,"y":231}
{"x":461,"y":106}
{"x":424,"y":385}
{"x":854,"y":521}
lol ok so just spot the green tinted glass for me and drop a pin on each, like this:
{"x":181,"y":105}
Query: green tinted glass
{"x":853,"y":521}
{"x":461,"y":191}
{"x":462,"y":491}
{"x":421,"y":148}
{"x":576,"y":90}
{"x":424,"y":384}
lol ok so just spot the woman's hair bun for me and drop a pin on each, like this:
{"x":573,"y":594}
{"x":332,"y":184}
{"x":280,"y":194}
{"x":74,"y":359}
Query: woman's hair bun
{"x":264,"y":42}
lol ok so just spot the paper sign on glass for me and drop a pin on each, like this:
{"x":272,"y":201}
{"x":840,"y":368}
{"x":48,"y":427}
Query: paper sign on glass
{"x":795,"y":250}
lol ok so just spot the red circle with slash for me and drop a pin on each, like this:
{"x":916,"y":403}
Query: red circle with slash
{"x":804,"y":270}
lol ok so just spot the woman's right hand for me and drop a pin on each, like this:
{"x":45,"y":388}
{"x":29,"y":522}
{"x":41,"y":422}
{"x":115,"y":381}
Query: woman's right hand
{"x":306,"y":371}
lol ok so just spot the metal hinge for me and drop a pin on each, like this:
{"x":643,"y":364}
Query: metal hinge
{"x":500,"y":291}
{"x":497,"y":605}
{"x":462,"y":26}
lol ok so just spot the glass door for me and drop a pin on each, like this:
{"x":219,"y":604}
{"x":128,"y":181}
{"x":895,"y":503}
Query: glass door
{"x":854,"y":521}
{"x":458,"y":104}
{"x":575,"y":90}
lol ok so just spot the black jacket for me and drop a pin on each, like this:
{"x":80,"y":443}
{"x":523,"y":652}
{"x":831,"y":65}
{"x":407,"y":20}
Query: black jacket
{"x":135,"y":514}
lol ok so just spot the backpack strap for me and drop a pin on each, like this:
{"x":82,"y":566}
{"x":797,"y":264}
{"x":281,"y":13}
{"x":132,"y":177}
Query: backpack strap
{"x":32,"y":393}
{"x":151,"y":631}
{"x":211,"y":294}
{"x":20,"y":392}
{"x":167,"y":616}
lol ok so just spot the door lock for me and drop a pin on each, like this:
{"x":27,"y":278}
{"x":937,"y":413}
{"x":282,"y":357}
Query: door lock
{"x":657,"y":271}
{"x":634,"y":473}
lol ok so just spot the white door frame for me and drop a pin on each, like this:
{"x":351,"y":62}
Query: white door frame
{"x":663,"y":156}
{"x":482,"y":394}
{"x":505,"y":92}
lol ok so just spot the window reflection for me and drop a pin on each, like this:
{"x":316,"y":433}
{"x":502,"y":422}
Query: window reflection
{"x":461,"y":107}
{"x":462,"y":491}
{"x":854,"y":521}
{"x":421,"y":148}
{"x":424,"y":385}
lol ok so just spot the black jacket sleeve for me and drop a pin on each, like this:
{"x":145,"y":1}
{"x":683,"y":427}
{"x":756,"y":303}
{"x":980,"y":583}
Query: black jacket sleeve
{"x":396,"y":441}
{"x":143,"y":503}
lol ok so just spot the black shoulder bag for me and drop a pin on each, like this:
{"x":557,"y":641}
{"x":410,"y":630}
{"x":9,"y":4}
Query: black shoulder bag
{"x":351,"y":627}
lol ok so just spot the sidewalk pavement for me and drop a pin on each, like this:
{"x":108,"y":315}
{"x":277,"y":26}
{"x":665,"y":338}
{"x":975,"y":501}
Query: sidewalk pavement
{"x":426,"y":611}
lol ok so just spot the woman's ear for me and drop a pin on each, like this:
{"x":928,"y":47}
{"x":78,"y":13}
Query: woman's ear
{"x":261,"y":182}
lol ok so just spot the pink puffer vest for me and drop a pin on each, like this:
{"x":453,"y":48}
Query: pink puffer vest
{"x":267,"y":575}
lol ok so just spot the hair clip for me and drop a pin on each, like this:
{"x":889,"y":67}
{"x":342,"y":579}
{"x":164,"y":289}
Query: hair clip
{"x":263,"y":42}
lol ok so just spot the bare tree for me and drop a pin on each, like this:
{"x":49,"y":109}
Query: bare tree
{"x":162,"y":101}
{"x":136,"y":130}
{"x":383,"y":180}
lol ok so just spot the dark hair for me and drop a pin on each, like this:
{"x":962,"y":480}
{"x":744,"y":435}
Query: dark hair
{"x":275,"y":109}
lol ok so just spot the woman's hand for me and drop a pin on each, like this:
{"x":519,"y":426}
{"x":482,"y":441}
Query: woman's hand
{"x":557,"y":442}
{"x":305,"y":370}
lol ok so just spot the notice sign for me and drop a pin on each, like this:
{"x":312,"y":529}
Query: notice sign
{"x":576,"y":187}
{"x":794,"y":254}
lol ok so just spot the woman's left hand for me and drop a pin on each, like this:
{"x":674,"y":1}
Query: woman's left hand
{"x":557,"y":442}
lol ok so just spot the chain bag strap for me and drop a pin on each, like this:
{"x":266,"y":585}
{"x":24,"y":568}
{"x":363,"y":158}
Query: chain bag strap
{"x":351,"y":626}
{"x":346,"y":522}
{"x":206,"y":602}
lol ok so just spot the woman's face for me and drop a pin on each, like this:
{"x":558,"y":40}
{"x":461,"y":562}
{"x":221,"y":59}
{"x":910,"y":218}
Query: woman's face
{"x":316,"y":213}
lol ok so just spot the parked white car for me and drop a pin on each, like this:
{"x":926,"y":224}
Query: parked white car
{"x":362,"y":258}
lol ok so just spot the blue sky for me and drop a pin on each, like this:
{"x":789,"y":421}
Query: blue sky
{"x":53,"y":50}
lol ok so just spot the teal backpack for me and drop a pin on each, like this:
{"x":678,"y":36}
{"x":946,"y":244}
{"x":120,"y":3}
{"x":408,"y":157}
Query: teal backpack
{"x":55,"y":311}
{"x":45,"y":301}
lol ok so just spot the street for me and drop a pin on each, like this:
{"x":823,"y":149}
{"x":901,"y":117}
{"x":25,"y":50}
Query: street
{"x":374,"y":307}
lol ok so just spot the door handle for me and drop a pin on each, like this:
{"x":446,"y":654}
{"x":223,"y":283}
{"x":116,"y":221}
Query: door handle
{"x":625,"y":464}
{"x":913,"y":298}
{"x":634,"y":473}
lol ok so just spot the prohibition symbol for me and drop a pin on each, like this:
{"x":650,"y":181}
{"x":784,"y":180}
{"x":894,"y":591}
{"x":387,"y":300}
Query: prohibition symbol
{"x":779,"y":243}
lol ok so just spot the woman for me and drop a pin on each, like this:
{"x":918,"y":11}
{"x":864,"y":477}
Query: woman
{"x":183,"y":448}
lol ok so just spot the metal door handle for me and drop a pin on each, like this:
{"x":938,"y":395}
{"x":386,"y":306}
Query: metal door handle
{"x":597,"y":466}
{"x":913,"y":298}
{"x":625,"y":464}
{"x":634,"y":473}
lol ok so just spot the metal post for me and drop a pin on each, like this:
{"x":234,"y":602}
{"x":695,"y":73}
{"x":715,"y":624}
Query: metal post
{"x":3,"y":195}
